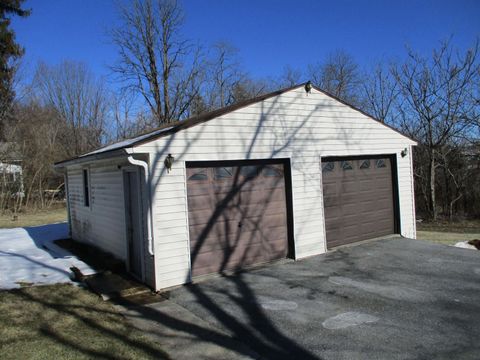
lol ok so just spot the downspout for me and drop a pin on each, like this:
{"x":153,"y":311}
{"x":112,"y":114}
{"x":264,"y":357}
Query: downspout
{"x":67,"y":198}
{"x":144,"y":164}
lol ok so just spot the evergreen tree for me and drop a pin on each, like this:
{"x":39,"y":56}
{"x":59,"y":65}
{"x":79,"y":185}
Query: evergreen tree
{"x":9,"y":52}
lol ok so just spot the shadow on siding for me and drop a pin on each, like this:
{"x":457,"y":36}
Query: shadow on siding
{"x":269,"y":341}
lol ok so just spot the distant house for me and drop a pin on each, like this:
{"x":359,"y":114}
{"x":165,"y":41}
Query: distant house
{"x":11,"y":172}
{"x":293,"y":174}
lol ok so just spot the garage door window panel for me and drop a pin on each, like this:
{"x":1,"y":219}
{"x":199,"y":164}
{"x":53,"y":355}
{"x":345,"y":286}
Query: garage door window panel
{"x":271,"y":171}
{"x":223,"y":173}
{"x":380,"y":163}
{"x":197,"y":175}
{"x":250,"y":171}
{"x":346,"y":165}
{"x":365,"y":164}
{"x":272,"y":179}
{"x":328,"y":167}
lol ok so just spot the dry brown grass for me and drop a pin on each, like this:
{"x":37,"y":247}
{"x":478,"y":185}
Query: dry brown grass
{"x":463,"y":226}
{"x":34,"y":218}
{"x":446,"y":238}
{"x":67,"y":322}
{"x":449,"y":232}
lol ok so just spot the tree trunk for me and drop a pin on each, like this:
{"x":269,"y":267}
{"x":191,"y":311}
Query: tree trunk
{"x":447,"y":193}
{"x":433,"y":202}
{"x":450,"y":215}
{"x":166,"y":72}
{"x":166,"y":100}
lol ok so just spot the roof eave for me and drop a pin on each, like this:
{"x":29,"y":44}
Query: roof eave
{"x":93,"y":157}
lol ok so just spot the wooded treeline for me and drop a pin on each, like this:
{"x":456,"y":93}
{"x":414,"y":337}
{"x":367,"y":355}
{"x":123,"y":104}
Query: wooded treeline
{"x":161,"y":77}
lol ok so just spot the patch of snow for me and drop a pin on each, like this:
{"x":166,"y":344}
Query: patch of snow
{"x":465,"y":245}
{"x":29,"y":255}
{"x":348,"y":319}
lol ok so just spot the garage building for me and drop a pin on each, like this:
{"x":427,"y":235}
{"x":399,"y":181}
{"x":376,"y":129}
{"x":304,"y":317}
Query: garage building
{"x":293,"y":174}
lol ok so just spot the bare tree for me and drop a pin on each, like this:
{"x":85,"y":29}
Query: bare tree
{"x":339,"y":75}
{"x":122,"y":104}
{"x":289,"y":77}
{"x":79,"y":99}
{"x":154,"y":59}
{"x":128,"y":118}
{"x":455,"y":167}
{"x":250,"y":88}
{"x":224,"y":73}
{"x":437,"y":106}
{"x":36,"y":131}
{"x":381,"y":91}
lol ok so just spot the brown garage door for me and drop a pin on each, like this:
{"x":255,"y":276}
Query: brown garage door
{"x":358,"y":199}
{"x":237,"y":216}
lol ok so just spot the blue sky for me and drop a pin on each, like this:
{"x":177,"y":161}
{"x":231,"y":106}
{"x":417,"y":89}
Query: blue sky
{"x":268,"y":33}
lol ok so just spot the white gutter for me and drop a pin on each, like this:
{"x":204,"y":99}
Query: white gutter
{"x":143,"y":164}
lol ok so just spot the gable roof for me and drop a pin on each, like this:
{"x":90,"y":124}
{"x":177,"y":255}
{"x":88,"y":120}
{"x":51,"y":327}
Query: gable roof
{"x":174,"y":127}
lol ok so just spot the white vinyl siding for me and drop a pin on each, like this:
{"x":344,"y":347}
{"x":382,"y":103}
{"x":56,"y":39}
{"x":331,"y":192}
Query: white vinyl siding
{"x":294,"y":125}
{"x":102,"y":223}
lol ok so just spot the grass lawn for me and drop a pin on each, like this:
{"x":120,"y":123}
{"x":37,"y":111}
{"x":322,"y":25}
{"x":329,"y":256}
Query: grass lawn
{"x":465,"y":226}
{"x":67,"y":322}
{"x":446,"y":238}
{"x":449,"y":233}
{"x":40,"y":217}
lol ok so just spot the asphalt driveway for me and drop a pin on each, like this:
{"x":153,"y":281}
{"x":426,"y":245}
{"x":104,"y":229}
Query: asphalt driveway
{"x":389,"y":299}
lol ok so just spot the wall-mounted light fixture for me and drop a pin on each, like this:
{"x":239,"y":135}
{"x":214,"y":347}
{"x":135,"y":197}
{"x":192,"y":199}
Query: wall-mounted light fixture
{"x":308,"y":87}
{"x":404,"y":152}
{"x":169,"y":162}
